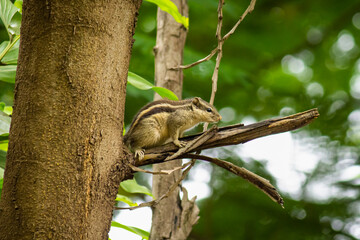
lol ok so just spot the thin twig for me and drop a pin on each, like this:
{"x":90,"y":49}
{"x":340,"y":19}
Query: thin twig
{"x":164,"y":172}
{"x":249,"y":9}
{"x":214,"y":78}
{"x":207,"y":58}
{"x":171,"y":189}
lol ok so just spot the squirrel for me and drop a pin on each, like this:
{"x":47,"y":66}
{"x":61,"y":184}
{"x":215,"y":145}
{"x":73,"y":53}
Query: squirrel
{"x":164,"y":121}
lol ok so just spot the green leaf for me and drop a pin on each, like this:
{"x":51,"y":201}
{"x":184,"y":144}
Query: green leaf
{"x":14,"y":28}
{"x":169,"y":7}
{"x":10,"y":17}
{"x":6,"y":47}
{"x":1,"y":185}
{"x":6,"y":109}
{"x":165,"y":93}
{"x":4,"y":124}
{"x":143,"y":84}
{"x":3,"y":45}
{"x":2,"y":159}
{"x":125,"y":199}
{"x":142,"y":233}
{"x":4,"y":137}
{"x":139,"y":82}
{"x":8,"y":73}
{"x":11,"y":57}
{"x":131,"y":186}
{"x":18,"y":4}
{"x":4,"y":145}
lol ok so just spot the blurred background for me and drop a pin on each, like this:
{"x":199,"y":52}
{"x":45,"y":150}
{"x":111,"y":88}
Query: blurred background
{"x":285,"y":57}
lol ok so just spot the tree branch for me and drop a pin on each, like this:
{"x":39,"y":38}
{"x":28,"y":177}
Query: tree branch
{"x":232,"y":135}
{"x":229,"y":135}
{"x":260,"y":182}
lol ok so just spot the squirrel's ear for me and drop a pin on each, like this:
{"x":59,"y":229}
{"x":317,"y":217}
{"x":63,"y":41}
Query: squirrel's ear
{"x":196,"y":101}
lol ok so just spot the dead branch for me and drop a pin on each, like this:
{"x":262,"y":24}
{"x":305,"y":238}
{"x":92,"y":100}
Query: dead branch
{"x":232,"y":135}
{"x":229,"y":135}
{"x":260,"y":182}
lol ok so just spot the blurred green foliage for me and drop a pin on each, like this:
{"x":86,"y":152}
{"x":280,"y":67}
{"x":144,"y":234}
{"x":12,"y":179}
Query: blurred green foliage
{"x":285,"y":57}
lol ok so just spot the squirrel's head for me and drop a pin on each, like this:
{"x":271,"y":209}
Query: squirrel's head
{"x":204,"y":110}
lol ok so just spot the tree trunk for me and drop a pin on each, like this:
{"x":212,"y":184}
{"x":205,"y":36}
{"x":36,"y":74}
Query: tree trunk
{"x":170,"y":219}
{"x":66,"y":159}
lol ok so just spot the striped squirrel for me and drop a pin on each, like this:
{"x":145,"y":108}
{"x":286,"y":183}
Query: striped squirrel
{"x":165,"y":121}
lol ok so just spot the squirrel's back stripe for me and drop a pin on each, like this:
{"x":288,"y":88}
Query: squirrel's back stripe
{"x":158,"y":107}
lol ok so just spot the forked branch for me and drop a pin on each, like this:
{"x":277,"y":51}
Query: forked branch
{"x":230,"y":135}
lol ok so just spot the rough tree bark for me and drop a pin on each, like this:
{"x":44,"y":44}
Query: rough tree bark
{"x":65,"y":158}
{"x":170,"y":219}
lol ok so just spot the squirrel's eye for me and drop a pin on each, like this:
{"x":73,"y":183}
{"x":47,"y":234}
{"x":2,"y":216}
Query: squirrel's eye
{"x":209,"y":110}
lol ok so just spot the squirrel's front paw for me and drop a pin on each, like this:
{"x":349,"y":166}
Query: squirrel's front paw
{"x":139,"y":153}
{"x":180,"y":144}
